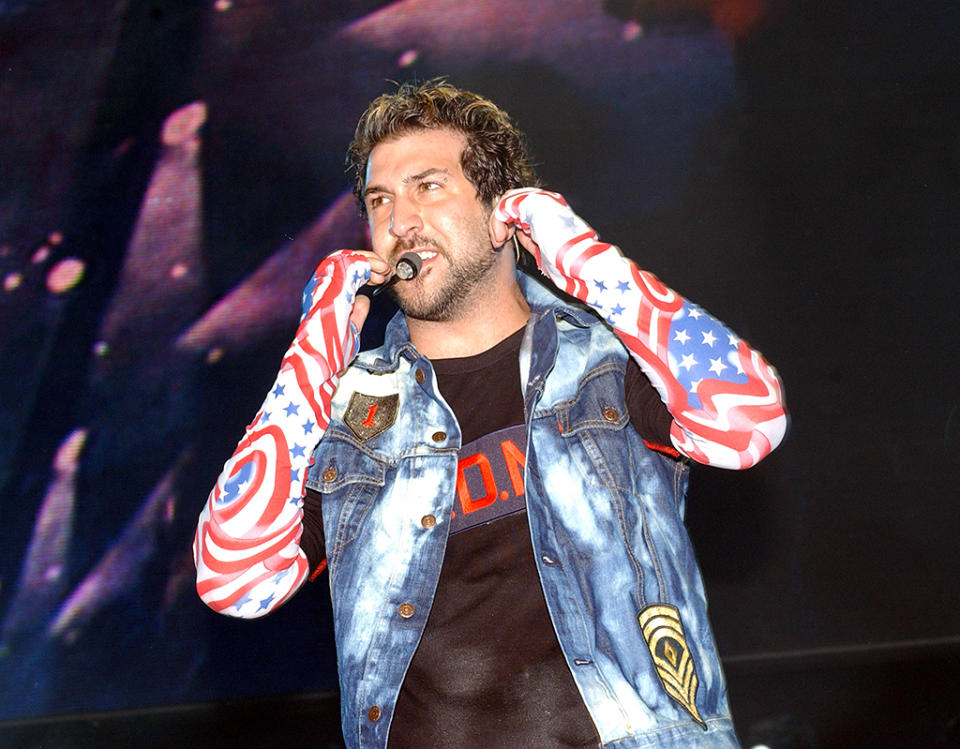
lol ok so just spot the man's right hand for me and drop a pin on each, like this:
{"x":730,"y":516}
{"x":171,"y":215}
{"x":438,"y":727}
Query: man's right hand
{"x":380,"y":272}
{"x":333,"y":313}
{"x":247,"y":544}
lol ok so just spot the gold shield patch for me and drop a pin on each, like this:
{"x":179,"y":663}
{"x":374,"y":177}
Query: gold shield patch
{"x":370,"y":415}
{"x":663,"y":632}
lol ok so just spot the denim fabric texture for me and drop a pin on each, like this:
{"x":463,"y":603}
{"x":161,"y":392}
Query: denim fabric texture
{"x":605,"y":515}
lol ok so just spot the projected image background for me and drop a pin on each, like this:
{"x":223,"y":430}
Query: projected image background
{"x":172,"y":172}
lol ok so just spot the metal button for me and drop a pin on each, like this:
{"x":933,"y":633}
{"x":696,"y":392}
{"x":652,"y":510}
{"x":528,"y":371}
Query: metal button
{"x":428,"y":521}
{"x":329,"y":474}
{"x":374,"y":713}
{"x":419,"y":376}
{"x":406,"y":610}
{"x":439,"y":436}
{"x":611,"y":414}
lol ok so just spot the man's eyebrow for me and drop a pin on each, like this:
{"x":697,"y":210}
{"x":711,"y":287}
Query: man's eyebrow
{"x":425,"y":173}
{"x":434,"y":170}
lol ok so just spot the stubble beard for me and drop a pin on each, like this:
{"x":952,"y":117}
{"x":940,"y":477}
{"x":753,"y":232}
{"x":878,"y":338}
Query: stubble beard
{"x":457,"y":293}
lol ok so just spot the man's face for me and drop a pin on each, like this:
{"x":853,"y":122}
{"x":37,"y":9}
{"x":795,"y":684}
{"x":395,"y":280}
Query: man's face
{"x":419,"y":200}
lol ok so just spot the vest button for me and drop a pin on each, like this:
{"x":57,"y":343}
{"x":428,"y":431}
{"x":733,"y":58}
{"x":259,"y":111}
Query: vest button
{"x":439,"y":436}
{"x":329,"y":474}
{"x":406,"y":610}
{"x":428,"y":521}
{"x":419,"y":376}
{"x":611,"y":414}
{"x":374,"y":713}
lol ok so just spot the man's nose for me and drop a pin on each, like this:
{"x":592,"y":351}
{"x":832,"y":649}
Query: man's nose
{"x":405,"y":218}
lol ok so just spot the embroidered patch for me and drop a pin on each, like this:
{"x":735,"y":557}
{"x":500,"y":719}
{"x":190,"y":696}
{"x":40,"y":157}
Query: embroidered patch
{"x":370,"y":415}
{"x":663,"y":632}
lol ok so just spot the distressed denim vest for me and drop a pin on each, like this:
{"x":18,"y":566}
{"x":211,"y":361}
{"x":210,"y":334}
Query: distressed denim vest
{"x":618,"y":572}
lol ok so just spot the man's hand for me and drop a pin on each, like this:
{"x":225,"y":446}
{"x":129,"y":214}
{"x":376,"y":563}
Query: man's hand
{"x":380,"y":272}
{"x":725,"y":399}
{"x":508,"y":222}
{"x":546,"y":227}
{"x":247,"y":544}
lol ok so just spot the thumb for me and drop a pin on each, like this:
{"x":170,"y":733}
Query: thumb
{"x":499,"y":231}
{"x":361,"y":308}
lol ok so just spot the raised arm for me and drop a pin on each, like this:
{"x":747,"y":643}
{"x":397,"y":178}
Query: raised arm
{"x":246,"y":548}
{"x":725,"y":399}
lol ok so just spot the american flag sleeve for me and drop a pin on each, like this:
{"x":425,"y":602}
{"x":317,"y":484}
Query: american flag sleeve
{"x":725,"y":399}
{"x":247,"y":546}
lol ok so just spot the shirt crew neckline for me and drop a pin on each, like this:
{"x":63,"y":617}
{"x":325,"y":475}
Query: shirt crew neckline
{"x":508,"y":347}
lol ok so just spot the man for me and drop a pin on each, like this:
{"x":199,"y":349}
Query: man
{"x":499,"y":487}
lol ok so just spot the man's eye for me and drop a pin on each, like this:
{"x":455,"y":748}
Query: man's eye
{"x":429,"y":186}
{"x":375,"y":202}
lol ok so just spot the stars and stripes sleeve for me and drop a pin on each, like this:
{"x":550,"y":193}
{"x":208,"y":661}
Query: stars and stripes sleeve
{"x":246,"y":547}
{"x":725,"y":399}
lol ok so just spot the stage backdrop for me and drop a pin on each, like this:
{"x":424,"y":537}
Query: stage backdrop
{"x":172,"y":171}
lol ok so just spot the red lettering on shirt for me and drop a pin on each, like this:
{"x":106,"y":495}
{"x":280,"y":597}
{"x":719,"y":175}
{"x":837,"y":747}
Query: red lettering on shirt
{"x":491,"y":469}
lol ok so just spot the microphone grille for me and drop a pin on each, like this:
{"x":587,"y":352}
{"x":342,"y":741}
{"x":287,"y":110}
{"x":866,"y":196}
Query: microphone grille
{"x":408,"y":266}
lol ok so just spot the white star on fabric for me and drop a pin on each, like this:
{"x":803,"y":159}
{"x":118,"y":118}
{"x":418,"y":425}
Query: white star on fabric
{"x":709,"y":338}
{"x":695,"y":313}
{"x":681,"y":336}
{"x":717,"y":366}
{"x":688,"y":361}
{"x":569,"y":223}
{"x":733,"y":340}
{"x":693,"y":386}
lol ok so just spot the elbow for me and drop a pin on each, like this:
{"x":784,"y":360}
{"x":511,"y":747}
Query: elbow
{"x":733,"y":449}
{"x":766,"y":434}
{"x":221,"y":593}
{"x":237,"y":605}
{"x":760,"y":440}
{"x":249,"y":593}
{"x":767,"y":437}
{"x":759,"y":422}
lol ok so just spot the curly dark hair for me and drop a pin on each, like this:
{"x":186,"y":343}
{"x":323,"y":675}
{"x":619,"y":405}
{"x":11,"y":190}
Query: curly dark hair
{"x":494,"y":158}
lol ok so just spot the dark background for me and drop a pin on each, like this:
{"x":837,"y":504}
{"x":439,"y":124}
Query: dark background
{"x":792,"y":166}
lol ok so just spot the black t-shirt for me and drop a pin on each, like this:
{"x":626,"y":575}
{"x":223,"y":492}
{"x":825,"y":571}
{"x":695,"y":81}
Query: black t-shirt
{"x":489,"y":670}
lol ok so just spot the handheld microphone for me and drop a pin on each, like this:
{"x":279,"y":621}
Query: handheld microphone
{"x":408,"y":266}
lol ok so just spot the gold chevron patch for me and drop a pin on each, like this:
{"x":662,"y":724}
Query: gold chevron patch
{"x":663,"y":632}
{"x":370,"y":415}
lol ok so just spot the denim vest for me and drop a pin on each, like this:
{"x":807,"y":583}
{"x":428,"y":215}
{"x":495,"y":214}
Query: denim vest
{"x":605,"y":515}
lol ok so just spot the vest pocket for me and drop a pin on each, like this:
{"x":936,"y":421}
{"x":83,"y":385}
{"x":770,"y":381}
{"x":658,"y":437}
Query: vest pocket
{"x":349,"y":481}
{"x":592,"y":426}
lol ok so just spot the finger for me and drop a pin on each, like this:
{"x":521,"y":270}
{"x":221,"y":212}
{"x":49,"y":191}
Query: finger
{"x":378,"y":279}
{"x":526,"y":241}
{"x":361,"y":308}
{"x":500,"y":231}
{"x":380,"y":269}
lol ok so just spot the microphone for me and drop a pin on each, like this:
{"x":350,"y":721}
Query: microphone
{"x":408,"y":266}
